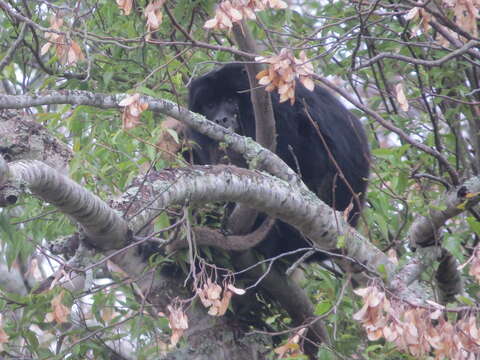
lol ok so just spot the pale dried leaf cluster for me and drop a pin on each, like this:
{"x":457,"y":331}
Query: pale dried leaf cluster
{"x":125,"y":6}
{"x":215,"y":298}
{"x":282,"y":72}
{"x":465,"y":15}
{"x":60,"y":312}
{"x":475,"y":264}
{"x":416,"y":330}
{"x":154,"y":15}
{"x":170,"y":140}
{"x":401,"y":98}
{"x":421,"y":14}
{"x":212,"y":296}
{"x":133,"y":110}
{"x":392,"y":256}
{"x":291,"y":349}
{"x":178,"y":322}
{"x":3,"y":335}
{"x":33,"y":270}
{"x":229,"y":12}
{"x":67,"y":50}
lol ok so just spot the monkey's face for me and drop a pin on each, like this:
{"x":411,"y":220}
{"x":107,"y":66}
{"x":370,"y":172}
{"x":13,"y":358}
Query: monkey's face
{"x":224,"y":111}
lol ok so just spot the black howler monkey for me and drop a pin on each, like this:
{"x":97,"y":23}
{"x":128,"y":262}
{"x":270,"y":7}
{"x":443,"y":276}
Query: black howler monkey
{"x":222,"y":95}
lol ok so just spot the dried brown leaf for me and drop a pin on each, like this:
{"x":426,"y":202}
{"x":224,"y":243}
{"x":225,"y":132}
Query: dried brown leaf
{"x":125,"y":6}
{"x":153,"y":14}
{"x":413,"y":13}
{"x":178,"y":322}
{"x":60,"y":312}
{"x":401,"y":98}
{"x":3,"y":335}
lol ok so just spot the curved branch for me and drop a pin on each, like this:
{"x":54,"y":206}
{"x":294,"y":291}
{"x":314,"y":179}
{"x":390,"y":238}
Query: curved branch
{"x":201,"y":184}
{"x":198,"y":184}
{"x":243,"y":217}
{"x":102,"y":225}
{"x":256,"y":156}
{"x":303,"y":210}
{"x":424,"y":232}
{"x":208,"y":237}
{"x":424,"y":229}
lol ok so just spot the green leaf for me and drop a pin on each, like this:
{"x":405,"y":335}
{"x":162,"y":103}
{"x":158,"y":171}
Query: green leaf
{"x":323,"y":307}
{"x":381,"y":270}
{"x":465,"y":300}
{"x":474,"y":224}
{"x":325,"y":354}
{"x":15,"y":243}
{"x":107,"y":77}
{"x":174,"y":134}
{"x":146,"y":91}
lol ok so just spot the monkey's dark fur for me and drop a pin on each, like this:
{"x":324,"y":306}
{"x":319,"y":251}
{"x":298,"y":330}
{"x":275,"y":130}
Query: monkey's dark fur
{"x":340,"y":142}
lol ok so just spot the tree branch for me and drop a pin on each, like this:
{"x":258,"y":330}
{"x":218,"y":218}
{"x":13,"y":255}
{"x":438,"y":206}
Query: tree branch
{"x":11,"y":51}
{"x":208,"y":237}
{"x":101,"y":224}
{"x":311,"y":216}
{"x":389,"y":126}
{"x":256,"y":156}
{"x":198,"y":185}
{"x":423,"y":231}
{"x":452,"y":55}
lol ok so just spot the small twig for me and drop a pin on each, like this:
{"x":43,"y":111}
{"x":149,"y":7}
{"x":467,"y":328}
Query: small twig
{"x":389,"y":126}
{"x":8,"y":56}
{"x":434,"y":178}
{"x":429,"y":63}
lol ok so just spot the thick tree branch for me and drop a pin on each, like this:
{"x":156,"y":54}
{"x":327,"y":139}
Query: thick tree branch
{"x":265,"y":132}
{"x":303,"y":210}
{"x":208,"y":237}
{"x":256,"y":156}
{"x":423,"y":231}
{"x":102,"y":225}
{"x":198,"y":185}
{"x":22,"y":137}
